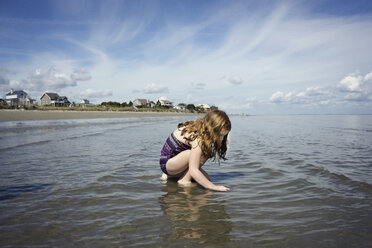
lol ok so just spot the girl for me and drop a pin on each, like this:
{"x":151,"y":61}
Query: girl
{"x":191,"y":145}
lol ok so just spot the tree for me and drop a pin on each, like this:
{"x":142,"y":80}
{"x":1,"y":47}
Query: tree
{"x":190,"y":107}
{"x":111,"y":104}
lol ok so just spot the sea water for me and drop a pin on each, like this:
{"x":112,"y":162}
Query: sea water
{"x":296,"y":181}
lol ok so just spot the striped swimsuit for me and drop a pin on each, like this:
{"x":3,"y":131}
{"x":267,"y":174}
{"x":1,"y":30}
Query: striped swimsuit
{"x":170,"y":149}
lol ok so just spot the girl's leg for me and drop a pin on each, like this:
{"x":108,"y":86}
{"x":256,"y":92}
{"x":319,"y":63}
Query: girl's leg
{"x":186,"y":178}
{"x":178,"y":167}
{"x":178,"y":164}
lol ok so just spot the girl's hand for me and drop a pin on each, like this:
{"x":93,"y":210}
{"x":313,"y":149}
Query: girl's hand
{"x":221,"y":188}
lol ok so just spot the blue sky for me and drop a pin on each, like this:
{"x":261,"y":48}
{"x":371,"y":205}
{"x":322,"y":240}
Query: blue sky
{"x":257,"y":57}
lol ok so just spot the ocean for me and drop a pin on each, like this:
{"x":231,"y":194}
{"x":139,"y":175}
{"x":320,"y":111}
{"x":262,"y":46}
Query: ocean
{"x":296,"y":181}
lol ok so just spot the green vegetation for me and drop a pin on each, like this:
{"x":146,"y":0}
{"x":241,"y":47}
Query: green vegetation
{"x":117,"y":104}
{"x":110,"y":106}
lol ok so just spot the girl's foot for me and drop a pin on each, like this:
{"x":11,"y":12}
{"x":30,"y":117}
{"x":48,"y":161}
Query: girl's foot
{"x":164,"y":177}
{"x":183,"y":182}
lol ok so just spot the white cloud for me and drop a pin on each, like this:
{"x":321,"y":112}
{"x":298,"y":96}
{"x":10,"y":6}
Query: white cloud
{"x":246,"y":104}
{"x":352,"y":88}
{"x":313,"y":91}
{"x":359,"y":96}
{"x":14,"y":84}
{"x":264,"y":45}
{"x":50,"y":79}
{"x":42,"y":80}
{"x":58,"y":80}
{"x":368,"y":77}
{"x":312,"y":95}
{"x":351,"y":83}
{"x":235,"y":80}
{"x":155,"y":89}
{"x":277,"y":97}
{"x":90,"y":93}
{"x":250,"y":102}
{"x":357,"y":87}
{"x":81,"y":74}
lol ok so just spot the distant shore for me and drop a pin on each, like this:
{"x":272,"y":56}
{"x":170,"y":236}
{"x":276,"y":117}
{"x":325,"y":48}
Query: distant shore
{"x":21,"y":115}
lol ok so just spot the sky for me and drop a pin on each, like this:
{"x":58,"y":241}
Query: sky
{"x":245,"y":57}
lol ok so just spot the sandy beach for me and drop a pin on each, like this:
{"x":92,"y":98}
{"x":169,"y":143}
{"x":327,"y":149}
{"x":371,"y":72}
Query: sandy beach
{"x":18,"y":115}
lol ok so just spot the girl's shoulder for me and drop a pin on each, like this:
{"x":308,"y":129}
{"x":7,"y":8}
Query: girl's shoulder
{"x":184,"y":137}
{"x":194,"y":143}
{"x":181,"y":137}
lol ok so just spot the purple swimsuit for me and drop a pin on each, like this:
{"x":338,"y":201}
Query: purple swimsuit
{"x":170,"y":149}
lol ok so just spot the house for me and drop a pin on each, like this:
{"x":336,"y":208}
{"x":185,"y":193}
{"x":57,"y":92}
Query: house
{"x":30,"y":101}
{"x":143,"y":103}
{"x":16,"y":97}
{"x":53,"y":99}
{"x":204,"y":107}
{"x":180,"y":106}
{"x":48,"y":98}
{"x":84,"y":102}
{"x":166,"y":103}
{"x":63,"y":101}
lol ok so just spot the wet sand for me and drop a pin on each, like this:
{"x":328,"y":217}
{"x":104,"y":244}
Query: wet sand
{"x":20,"y":115}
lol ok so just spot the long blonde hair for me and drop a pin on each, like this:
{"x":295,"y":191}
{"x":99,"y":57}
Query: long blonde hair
{"x":208,"y":130}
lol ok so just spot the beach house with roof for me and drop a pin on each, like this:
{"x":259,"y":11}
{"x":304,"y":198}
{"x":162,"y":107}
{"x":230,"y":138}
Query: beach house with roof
{"x":53,"y":99}
{"x":166,"y":103}
{"x":84,"y":102}
{"x":143,"y":103}
{"x":18,"y":97}
{"x":204,"y":107}
{"x":180,"y":106}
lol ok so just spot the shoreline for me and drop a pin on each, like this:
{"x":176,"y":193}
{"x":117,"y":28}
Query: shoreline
{"x":23,"y":115}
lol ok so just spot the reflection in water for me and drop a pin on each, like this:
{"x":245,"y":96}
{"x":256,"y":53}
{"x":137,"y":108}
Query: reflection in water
{"x":195,"y":215}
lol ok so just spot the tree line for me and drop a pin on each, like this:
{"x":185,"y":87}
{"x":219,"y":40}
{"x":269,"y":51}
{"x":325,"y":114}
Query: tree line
{"x":190,"y":107}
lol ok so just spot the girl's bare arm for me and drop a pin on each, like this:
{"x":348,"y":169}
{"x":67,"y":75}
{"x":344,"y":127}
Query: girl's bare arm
{"x":199,"y":177}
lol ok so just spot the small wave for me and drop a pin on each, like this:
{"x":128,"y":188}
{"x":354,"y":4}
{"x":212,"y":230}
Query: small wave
{"x":254,"y":163}
{"x":72,"y":137}
{"x":222,"y":176}
{"x":82,"y":135}
{"x":269,"y":172}
{"x":106,"y":178}
{"x":25,"y":144}
{"x":349,"y":129}
{"x":36,"y":126}
{"x":338,"y":178}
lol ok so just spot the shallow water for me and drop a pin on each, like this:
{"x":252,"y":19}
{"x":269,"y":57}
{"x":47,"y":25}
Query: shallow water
{"x":297,"y":181}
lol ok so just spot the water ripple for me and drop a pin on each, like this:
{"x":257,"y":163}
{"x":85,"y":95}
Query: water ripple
{"x":295,"y":181}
